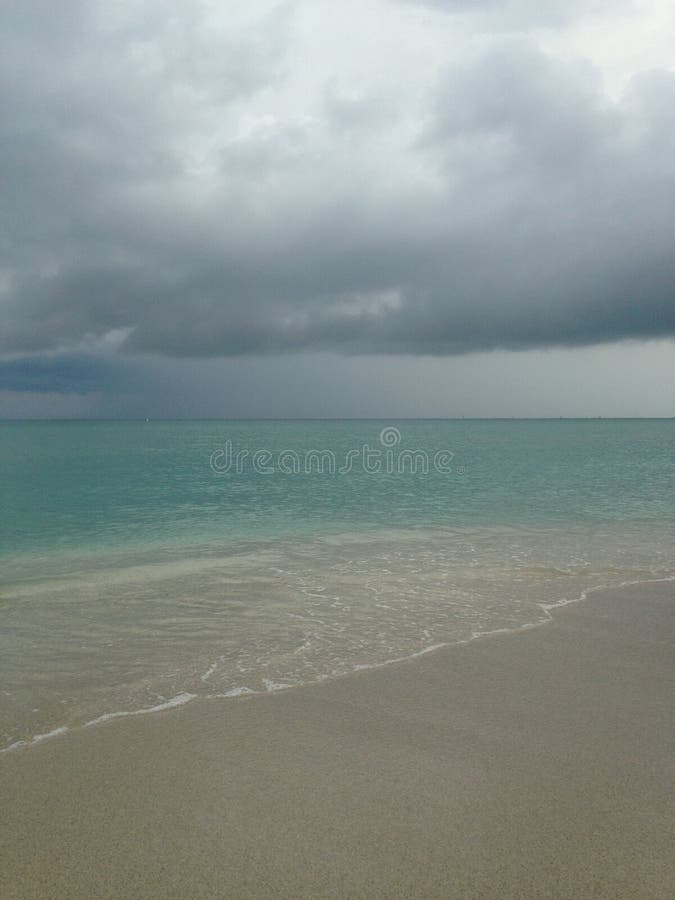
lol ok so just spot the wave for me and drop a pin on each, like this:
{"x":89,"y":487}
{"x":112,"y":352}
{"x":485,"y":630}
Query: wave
{"x":183,"y":698}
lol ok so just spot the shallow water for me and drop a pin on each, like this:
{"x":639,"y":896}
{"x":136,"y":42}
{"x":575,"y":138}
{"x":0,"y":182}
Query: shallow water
{"x":135,"y":575}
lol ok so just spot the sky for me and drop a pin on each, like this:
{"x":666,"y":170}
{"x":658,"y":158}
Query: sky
{"x":306,"y":208}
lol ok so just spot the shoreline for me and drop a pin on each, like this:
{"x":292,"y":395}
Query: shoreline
{"x":467,"y":771}
{"x":183,"y":698}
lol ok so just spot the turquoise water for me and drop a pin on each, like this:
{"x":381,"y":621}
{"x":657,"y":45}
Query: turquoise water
{"x":144,"y":563}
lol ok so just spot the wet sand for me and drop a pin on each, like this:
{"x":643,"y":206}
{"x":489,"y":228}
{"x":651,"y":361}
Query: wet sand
{"x":536,"y":764}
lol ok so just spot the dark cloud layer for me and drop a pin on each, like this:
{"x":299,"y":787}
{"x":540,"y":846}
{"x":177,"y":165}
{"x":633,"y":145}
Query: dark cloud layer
{"x":522,"y":209}
{"x":64,"y":374}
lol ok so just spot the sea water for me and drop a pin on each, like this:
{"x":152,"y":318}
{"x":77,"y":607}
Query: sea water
{"x":144,"y":564}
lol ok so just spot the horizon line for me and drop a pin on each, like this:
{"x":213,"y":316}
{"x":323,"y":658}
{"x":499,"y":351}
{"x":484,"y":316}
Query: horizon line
{"x":150,"y":419}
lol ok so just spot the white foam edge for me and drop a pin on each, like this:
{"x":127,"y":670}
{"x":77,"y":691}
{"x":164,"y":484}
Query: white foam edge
{"x":547,"y":608}
{"x":36,"y":739}
{"x":273,"y":686}
{"x":178,"y":700}
{"x":183,"y":698}
{"x":209,"y":672}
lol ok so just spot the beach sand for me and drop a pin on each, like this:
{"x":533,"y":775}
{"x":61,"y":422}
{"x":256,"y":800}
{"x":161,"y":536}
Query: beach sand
{"x":534,"y":764}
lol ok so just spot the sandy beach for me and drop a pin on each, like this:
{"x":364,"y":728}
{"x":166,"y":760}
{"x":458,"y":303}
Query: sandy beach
{"x":534,"y":764}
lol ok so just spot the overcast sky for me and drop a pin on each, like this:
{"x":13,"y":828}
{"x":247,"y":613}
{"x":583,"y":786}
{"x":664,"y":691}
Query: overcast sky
{"x":371,"y":208}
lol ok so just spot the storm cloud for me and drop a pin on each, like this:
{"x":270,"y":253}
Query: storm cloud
{"x":64,"y":374}
{"x":202,"y":184}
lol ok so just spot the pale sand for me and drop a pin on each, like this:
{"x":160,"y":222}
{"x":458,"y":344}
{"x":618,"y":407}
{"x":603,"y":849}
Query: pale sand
{"x":534,"y":764}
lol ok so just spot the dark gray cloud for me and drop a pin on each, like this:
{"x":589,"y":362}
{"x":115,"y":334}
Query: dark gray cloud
{"x":64,"y":374}
{"x":517,"y":207}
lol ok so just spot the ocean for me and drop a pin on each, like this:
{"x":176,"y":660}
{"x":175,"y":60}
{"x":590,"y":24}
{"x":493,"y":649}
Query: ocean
{"x":147,"y":564}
